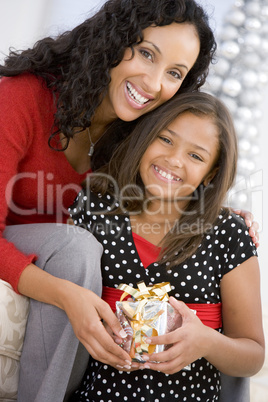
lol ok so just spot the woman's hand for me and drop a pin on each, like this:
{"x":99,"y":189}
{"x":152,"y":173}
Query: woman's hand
{"x":134,"y":365}
{"x":251,"y":224}
{"x":86,"y":311}
{"x":187,"y":343}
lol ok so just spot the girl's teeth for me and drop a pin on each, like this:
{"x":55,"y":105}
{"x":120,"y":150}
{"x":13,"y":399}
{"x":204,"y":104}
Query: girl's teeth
{"x":135,"y":95}
{"x":166,"y":175}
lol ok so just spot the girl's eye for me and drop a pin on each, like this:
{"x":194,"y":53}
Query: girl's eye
{"x":196,"y":157}
{"x":146,"y":54}
{"x":165,"y":139}
{"x":176,"y":75}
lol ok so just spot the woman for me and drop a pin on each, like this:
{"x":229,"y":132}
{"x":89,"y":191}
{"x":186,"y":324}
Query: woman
{"x":68,"y":91}
{"x":162,"y":195}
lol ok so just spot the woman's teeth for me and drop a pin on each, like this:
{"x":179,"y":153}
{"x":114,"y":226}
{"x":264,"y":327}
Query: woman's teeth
{"x":166,"y":175}
{"x":135,"y":95}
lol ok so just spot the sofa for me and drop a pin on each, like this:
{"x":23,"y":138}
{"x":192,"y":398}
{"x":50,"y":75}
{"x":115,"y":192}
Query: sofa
{"x":14,"y":310}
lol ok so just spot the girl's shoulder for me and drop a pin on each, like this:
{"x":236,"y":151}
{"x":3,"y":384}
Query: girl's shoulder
{"x":228,"y":220}
{"x":230,"y":233}
{"x":92,"y":203}
{"x":227,"y":244}
{"x":230,"y":223}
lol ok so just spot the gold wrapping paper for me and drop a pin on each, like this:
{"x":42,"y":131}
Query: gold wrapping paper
{"x":148,"y":313}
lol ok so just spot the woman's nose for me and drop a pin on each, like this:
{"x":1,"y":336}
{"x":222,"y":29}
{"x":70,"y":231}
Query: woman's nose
{"x":154,"y":81}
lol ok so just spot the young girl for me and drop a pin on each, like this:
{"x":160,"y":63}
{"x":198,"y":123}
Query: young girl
{"x":157,"y":210}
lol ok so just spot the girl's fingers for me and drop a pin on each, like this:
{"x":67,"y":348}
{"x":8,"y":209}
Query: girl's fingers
{"x":166,"y":367}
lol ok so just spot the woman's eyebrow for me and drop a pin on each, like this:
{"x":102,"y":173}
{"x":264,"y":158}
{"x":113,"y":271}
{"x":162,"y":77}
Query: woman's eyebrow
{"x":154,"y":45}
{"x":159,"y":51}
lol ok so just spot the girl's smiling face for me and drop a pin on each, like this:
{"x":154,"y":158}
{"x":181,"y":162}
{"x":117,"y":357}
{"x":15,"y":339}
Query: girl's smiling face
{"x":155,"y":72}
{"x":181,"y":158}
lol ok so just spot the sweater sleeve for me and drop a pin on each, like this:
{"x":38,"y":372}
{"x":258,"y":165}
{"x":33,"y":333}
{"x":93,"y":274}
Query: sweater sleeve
{"x":17,"y":125}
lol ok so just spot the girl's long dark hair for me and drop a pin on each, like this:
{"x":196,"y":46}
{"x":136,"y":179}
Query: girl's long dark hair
{"x":203,"y":209}
{"x":76,"y":65}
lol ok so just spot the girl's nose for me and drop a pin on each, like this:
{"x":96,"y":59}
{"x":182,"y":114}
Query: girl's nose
{"x":175,"y":159}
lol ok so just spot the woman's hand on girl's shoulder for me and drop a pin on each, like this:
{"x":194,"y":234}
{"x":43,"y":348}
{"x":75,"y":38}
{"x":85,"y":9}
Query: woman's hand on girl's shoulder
{"x":251,"y":224}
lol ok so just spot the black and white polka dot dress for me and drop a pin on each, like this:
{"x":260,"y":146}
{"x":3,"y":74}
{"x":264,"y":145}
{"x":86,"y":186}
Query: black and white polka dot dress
{"x":197,"y":280}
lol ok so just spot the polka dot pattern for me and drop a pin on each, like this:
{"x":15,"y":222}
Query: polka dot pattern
{"x":197,"y":280}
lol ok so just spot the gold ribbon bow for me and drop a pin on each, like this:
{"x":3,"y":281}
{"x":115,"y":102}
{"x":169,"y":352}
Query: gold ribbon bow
{"x":157,"y":292}
{"x":141,"y":327}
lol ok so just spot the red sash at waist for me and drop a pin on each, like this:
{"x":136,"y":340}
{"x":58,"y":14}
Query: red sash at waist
{"x":209,"y":314}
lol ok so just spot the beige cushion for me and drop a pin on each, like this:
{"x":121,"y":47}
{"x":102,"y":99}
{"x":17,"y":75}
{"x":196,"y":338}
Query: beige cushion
{"x":13,"y":317}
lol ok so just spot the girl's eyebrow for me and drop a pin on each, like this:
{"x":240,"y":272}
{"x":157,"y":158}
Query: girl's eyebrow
{"x":159,"y":51}
{"x":191,"y":143}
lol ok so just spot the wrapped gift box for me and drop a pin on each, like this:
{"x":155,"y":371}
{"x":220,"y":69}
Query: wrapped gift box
{"x":147,"y":313}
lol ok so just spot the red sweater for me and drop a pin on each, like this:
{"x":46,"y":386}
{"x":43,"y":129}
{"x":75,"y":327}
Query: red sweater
{"x":37,"y":184}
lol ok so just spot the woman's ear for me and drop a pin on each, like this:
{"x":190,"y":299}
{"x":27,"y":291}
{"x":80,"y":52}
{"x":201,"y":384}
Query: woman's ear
{"x":210,"y":176}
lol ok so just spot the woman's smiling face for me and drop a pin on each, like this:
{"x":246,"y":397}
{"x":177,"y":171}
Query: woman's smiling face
{"x":181,"y":157}
{"x":155,"y":72}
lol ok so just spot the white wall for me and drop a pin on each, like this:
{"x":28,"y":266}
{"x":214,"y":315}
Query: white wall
{"x":219,"y":10}
{"x":23,"y":22}
{"x":20,"y":22}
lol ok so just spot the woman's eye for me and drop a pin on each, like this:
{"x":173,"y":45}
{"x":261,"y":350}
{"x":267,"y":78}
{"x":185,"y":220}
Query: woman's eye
{"x":165,"y":139}
{"x":176,"y":75}
{"x":146,"y":54}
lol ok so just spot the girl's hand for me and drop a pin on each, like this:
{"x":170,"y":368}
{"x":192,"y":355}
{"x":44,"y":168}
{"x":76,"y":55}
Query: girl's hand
{"x":252,"y":225}
{"x":187,"y":343}
{"x":134,"y":367}
{"x":86,"y":311}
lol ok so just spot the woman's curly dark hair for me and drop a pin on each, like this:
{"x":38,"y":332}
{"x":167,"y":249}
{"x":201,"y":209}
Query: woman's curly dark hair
{"x":76,"y":65}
